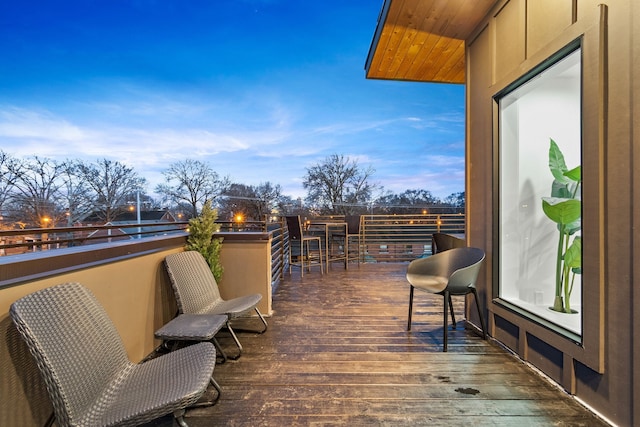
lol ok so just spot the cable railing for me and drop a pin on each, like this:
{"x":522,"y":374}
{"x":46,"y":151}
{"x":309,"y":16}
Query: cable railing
{"x":384,"y":238}
{"x":401,"y":238}
{"x":14,"y":242}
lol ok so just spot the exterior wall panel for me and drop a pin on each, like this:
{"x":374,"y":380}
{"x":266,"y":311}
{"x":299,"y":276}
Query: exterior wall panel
{"x":635,"y":201}
{"x":546,"y":19}
{"x":521,"y":40}
{"x":509,"y":44}
{"x":479,"y":178}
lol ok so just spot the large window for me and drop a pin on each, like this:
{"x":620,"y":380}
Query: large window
{"x":540,"y":193}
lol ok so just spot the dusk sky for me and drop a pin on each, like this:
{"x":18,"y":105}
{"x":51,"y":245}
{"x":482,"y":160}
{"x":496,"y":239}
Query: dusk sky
{"x":259,"y":89}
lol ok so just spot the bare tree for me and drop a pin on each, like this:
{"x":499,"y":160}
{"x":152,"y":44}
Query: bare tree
{"x":111,"y":182}
{"x":338,"y":185}
{"x":75,"y":194}
{"x":36,"y":192}
{"x":239,"y":199}
{"x":252,"y":202}
{"x":7,"y":180}
{"x":268,"y":195}
{"x":407,"y":202}
{"x":456,"y":200}
{"x":190,"y":183}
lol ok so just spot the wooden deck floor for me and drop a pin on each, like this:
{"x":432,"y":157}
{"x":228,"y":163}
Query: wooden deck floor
{"x":337,"y":353}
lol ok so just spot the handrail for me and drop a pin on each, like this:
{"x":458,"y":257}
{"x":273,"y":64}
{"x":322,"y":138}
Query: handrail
{"x":36,"y":239}
{"x":401,"y":238}
{"x":384,"y":238}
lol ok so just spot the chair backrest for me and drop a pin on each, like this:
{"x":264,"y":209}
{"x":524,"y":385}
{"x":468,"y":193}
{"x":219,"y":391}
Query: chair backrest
{"x":75,"y":344}
{"x":353,"y":223}
{"x":459,"y":265}
{"x":443,"y":242}
{"x":294,"y":225}
{"x":467,"y":262}
{"x":192,"y":281}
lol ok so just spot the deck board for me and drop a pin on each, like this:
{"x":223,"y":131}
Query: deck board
{"x":337,"y":353}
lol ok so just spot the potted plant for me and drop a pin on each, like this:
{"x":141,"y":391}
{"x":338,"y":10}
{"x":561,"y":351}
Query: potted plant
{"x":564,"y":207}
{"x":201,"y":231}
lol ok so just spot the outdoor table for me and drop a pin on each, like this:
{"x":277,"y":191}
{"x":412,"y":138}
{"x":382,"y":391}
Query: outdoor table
{"x":194,"y":327}
{"x":327,"y":228}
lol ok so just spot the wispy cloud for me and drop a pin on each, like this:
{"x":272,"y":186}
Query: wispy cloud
{"x":192,"y":83}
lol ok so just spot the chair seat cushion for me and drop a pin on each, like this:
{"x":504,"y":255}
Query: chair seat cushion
{"x":145,"y":392}
{"x":434,"y":284}
{"x":192,"y":327}
{"x":235,"y":307}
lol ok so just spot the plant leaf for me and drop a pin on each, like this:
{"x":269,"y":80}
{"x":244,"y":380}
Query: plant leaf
{"x":573,"y":256}
{"x":574,"y":174}
{"x":560,"y":210}
{"x":560,"y":189}
{"x":557,"y":164}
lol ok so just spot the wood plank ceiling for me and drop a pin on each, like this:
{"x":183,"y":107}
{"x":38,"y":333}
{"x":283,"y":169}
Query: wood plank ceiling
{"x":424,"y":40}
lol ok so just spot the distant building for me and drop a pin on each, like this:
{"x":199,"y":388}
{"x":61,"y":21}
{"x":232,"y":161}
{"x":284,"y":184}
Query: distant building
{"x":129,"y":228}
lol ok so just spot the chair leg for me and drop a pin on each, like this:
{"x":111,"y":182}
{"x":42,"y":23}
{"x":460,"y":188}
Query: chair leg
{"x":204,"y":404}
{"x":447,"y":297}
{"x":410,"y":308}
{"x":215,"y":385}
{"x":264,"y":322}
{"x":219,"y":350}
{"x":484,"y":329}
{"x":453,"y":316}
{"x":320,"y":255}
{"x":235,"y":338}
{"x":179,"y":416}
{"x":302,"y":256}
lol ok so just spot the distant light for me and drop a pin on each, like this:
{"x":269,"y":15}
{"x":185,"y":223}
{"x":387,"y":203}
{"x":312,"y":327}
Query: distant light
{"x":239,"y":218}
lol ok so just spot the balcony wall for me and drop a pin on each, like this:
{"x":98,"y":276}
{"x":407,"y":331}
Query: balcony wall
{"x":129,"y":280}
{"x":246,"y":258}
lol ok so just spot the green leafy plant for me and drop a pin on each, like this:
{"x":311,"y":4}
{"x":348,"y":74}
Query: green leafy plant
{"x":201,"y":231}
{"x":564,"y":207}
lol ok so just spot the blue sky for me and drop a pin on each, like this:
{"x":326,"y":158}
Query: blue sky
{"x":259,"y":89}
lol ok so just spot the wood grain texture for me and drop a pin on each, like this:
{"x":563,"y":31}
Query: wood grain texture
{"x":337,"y":353}
{"x":423,"y":40}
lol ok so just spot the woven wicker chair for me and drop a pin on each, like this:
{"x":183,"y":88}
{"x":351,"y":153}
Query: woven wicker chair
{"x":197,"y":292}
{"x":452,"y":272}
{"x":89,"y":377}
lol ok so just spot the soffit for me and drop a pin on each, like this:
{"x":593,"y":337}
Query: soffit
{"x":424,"y":40}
